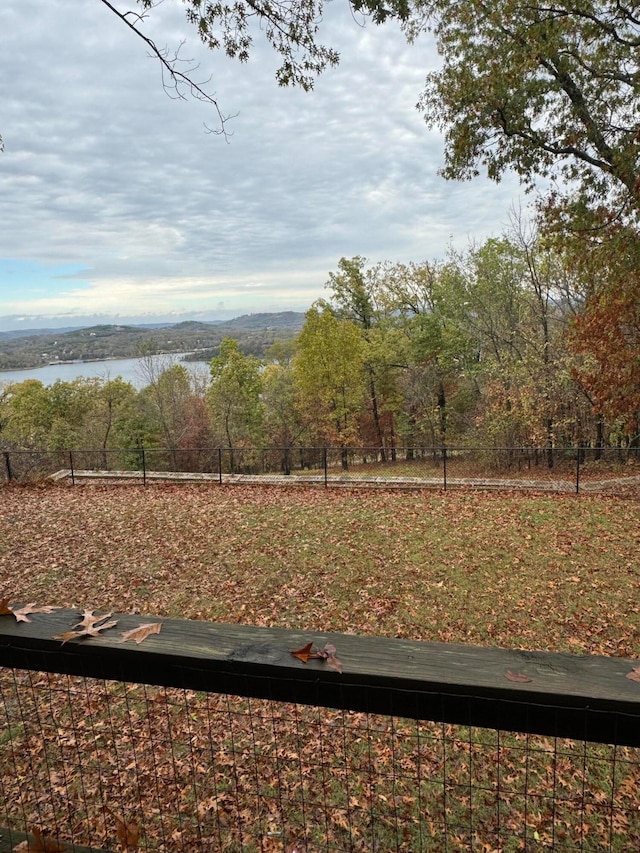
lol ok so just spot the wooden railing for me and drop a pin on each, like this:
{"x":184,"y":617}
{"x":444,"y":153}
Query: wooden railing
{"x":442,"y":712}
{"x":571,"y":696}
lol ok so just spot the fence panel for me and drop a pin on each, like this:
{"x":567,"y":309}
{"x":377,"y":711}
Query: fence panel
{"x":232,"y":744}
{"x":569,"y":470}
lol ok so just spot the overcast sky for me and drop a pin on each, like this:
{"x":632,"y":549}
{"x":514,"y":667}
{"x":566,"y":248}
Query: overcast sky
{"x":116,"y":205}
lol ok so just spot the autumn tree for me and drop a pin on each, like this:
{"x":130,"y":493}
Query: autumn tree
{"x":170,"y":414}
{"x":605,"y":264}
{"x":547,"y":89}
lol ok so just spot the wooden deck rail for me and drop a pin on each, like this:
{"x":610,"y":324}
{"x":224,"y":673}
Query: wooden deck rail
{"x":587,"y":698}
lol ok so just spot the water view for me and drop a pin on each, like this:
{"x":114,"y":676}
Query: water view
{"x":129,"y":369}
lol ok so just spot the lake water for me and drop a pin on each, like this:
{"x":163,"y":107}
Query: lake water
{"x":130,"y":369}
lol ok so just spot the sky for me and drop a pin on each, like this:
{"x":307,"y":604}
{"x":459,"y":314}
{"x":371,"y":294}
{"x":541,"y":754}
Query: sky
{"x":117,"y":206}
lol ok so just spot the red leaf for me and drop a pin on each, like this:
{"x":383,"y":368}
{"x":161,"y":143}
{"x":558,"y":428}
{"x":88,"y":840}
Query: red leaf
{"x":516,"y":676}
{"x":305,"y":653}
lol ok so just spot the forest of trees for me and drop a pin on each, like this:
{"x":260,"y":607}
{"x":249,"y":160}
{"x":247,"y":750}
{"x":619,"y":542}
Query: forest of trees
{"x":526,"y":340}
{"x":532,"y":339}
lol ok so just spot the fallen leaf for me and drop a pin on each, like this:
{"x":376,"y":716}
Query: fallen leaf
{"x":516,"y":676}
{"x":22,"y":613}
{"x":327,"y":654}
{"x":305,"y":653}
{"x":39,"y":844}
{"x":634,"y":675}
{"x":89,"y":627}
{"x":332,"y":660}
{"x":141,"y":632}
{"x":128,"y":832}
{"x":89,"y":619}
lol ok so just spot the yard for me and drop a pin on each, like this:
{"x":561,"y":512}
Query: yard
{"x":530,"y":571}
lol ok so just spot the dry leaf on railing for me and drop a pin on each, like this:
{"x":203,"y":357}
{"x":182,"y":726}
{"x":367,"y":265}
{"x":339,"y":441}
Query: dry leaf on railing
{"x":516,"y":676}
{"x":327,"y":654}
{"x":634,"y":675}
{"x":141,"y":632}
{"x":21,"y":613}
{"x":89,"y":627}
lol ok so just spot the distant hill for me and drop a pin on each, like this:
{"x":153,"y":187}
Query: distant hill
{"x":254,"y":333}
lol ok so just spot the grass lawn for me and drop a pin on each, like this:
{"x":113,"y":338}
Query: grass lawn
{"x":553,"y":572}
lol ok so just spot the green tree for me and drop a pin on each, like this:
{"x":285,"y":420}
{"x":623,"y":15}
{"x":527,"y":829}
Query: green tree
{"x":107,"y":422}
{"x":355,"y":296}
{"x":426,"y":301}
{"x":542,"y":88}
{"x":28,"y":414}
{"x":330,"y":374}
{"x":284,"y":425}
{"x":233,"y":397}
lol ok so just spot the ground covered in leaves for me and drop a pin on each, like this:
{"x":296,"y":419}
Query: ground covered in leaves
{"x":554,"y":572}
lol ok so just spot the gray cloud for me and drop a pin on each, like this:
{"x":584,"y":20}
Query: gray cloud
{"x":103,"y":170}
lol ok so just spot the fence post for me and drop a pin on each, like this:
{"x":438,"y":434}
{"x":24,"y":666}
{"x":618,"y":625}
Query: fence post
{"x":144,"y":466}
{"x":324,"y":465}
{"x":7,"y":464}
{"x":578,"y":469}
{"x":73,"y":476}
{"x":220,"y":465}
{"x":444,"y":467}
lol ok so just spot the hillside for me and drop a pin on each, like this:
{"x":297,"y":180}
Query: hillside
{"x":254,"y":332}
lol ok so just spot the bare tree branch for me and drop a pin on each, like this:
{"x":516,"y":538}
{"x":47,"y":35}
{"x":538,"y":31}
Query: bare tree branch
{"x":175,"y":82}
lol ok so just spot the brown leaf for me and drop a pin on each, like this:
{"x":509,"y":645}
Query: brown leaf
{"x":21,"y":613}
{"x":516,"y":676}
{"x":634,"y":675}
{"x":331,"y":658}
{"x":68,"y":635}
{"x":128,"y":832}
{"x":89,"y":619}
{"x":141,"y":632}
{"x":89,"y":627}
{"x":327,"y":654}
{"x":334,"y":663}
{"x":39,"y":844}
{"x":305,"y":653}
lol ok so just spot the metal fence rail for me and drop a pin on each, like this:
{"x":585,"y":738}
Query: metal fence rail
{"x":573,"y":469}
{"x":214,"y":737}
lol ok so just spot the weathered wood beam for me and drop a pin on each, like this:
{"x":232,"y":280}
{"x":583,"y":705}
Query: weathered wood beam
{"x":582,"y":697}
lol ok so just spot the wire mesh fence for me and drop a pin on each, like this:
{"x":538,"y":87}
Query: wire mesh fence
{"x":112,"y":765}
{"x":574,"y":469}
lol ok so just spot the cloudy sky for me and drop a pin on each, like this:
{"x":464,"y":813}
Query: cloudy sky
{"x":115,"y":203}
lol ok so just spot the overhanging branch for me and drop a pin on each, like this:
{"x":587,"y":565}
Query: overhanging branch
{"x":178,"y":81}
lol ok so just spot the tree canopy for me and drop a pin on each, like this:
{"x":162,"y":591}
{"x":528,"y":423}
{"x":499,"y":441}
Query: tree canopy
{"x":547,"y":89}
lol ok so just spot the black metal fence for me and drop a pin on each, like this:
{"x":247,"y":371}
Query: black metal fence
{"x":214,"y":738}
{"x":571,"y":469}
